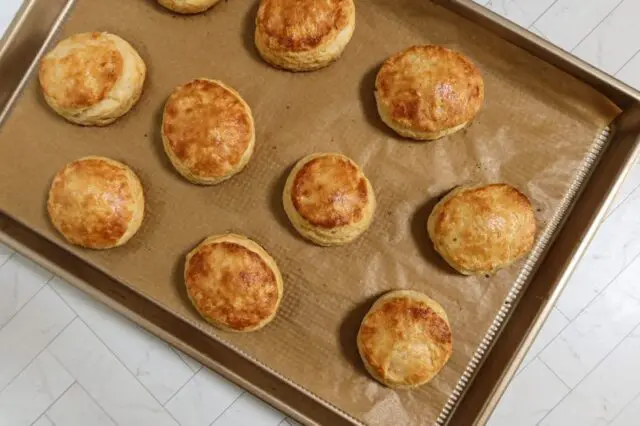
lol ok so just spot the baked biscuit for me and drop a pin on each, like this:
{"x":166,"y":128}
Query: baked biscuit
{"x":304,"y":35}
{"x":328,"y":199}
{"x":207,"y":131}
{"x":405,"y":339}
{"x":97,"y":203}
{"x":233,"y":283}
{"x":480,"y":229}
{"x":188,"y":6}
{"x":427,"y":92}
{"x":92,"y":79}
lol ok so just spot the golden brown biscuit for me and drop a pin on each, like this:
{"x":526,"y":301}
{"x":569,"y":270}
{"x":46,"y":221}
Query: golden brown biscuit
{"x":480,"y":229}
{"x":304,"y":35}
{"x":207,"y":131}
{"x":405,"y":339}
{"x":427,"y":92}
{"x":233,"y":283}
{"x":188,"y":6}
{"x":328,"y":199}
{"x":92,"y":79}
{"x":96,"y":202}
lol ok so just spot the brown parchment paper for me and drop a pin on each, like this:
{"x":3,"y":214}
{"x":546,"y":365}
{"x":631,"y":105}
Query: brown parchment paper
{"x":535,"y":129}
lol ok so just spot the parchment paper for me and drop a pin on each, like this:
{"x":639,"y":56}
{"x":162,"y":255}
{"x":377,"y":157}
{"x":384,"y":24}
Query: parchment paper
{"x":535,"y":128}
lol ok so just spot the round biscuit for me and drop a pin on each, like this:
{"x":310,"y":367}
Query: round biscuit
{"x":208,"y":131}
{"x":188,"y":7}
{"x":96,"y":202}
{"x":405,"y":339}
{"x":303,"y":35}
{"x":481,"y":229}
{"x":92,"y":79}
{"x":233,"y":283}
{"x":428,"y":92}
{"x":328,"y":199}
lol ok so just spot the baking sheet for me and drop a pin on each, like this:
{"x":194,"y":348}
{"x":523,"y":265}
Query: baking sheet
{"x":537,"y":126}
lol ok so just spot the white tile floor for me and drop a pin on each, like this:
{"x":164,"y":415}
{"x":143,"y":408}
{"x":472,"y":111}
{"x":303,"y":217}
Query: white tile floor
{"x":67,"y":360}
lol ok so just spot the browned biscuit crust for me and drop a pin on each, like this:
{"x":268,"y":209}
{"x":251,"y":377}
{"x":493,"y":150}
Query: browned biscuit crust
{"x":405,"y":339}
{"x":92,"y":79}
{"x":303,"y":35}
{"x":188,"y":6}
{"x":480,"y":229}
{"x":328,"y":199}
{"x":426,"y":92}
{"x":233,"y":283}
{"x":84,"y":77}
{"x":297,"y":25}
{"x":330,"y":191}
{"x":208,"y":131}
{"x":96,"y":202}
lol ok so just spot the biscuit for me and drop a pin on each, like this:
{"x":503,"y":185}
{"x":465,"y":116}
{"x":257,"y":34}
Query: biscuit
{"x":97,"y":203}
{"x":207,"y":131}
{"x":233,"y":283}
{"x":480,"y":229}
{"x":92,"y":79}
{"x":405,"y":339}
{"x":188,"y":7}
{"x":328,"y":199}
{"x":304,"y":35}
{"x":428,"y":92}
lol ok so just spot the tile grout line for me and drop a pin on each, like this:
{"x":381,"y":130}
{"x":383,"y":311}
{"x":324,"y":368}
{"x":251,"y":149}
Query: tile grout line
{"x":44,"y":416}
{"x":118,"y":359}
{"x":634,"y":399}
{"x":523,"y":367}
{"x":614,"y":279}
{"x":38,"y":418}
{"x":544,"y":12}
{"x":562,"y":313}
{"x":127,"y":368}
{"x":595,"y":27}
{"x":175,"y":350}
{"x":535,"y":30}
{"x":11,"y":256}
{"x":193,"y":373}
{"x":26,"y":303}
{"x":285,"y":422}
{"x":49,"y":418}
{"x":504,"y":3}
{"x":553,"y":408}
{"x":44,"y":412}
{"x":623,"y":201}
{"x":37,"y":355}
{"x":609,"y":213}
{"x":569,"y":388}
{"x":227,"y":409}
{"x":626,"y":63}
{"x":571,"y":321}
{"x":75,"y":381}
{"x":636,"y":327}
{"x":181,"y":387}
{"x":96,"y":402}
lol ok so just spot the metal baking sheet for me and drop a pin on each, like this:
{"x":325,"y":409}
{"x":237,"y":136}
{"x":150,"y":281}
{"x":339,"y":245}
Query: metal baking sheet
{"x":27,"y":39}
